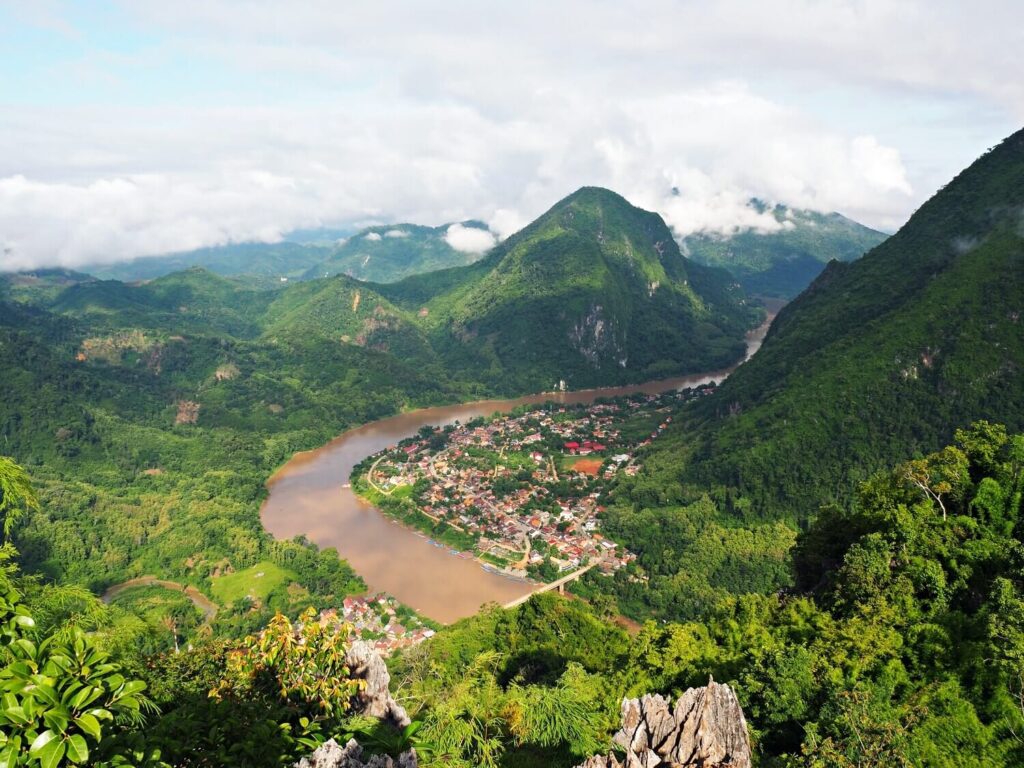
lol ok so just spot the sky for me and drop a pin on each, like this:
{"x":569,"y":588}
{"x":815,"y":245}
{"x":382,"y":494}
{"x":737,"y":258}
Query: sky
{"x":140,"y":128}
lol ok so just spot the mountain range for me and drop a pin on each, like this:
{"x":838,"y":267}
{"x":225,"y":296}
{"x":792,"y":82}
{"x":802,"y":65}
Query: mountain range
{"x":594,"y":292}
{"x":782,"y":262}
{"x":377,"y":253}
{"x":880,"y":358}
{"x":778,"y":263}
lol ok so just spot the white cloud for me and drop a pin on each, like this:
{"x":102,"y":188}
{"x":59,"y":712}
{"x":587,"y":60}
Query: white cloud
{"x":396,"y":233}
{"x":469,"y":239}
{"x":373,"y":237}
{"x":504,"y":222}
{"x":318,"y":116}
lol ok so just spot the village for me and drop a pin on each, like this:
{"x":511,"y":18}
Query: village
{"x":522,"y":493}
{"x":381,"y":621}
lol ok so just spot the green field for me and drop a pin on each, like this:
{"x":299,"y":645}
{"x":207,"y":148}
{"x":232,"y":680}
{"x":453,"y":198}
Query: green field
{"x":257,"y":582}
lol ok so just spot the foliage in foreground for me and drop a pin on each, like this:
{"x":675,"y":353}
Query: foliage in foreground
{"x":63,"y":700}
{"x":902,"y":642}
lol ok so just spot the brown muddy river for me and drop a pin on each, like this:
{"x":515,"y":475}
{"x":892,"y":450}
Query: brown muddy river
{"x":308,"y":495}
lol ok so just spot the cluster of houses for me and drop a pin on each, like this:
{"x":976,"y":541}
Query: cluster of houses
{"x":527,"y":487}
{"x":375,"y":619}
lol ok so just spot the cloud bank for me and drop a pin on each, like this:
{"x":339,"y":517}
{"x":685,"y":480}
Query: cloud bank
{"x":322,"y":117}
{"x":469,"y":239}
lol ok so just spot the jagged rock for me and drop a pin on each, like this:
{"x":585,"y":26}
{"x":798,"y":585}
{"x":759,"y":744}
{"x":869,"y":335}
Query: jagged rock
{"x":705,"y":729}
{"x":374,"y":699}
{"x":330,"y":754}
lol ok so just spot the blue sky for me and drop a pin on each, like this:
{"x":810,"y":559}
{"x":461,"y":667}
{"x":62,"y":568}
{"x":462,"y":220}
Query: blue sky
{"x":138,"y":128}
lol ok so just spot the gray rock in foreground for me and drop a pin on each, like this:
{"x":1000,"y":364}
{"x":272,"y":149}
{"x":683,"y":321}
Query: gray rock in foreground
{"x":705,"y":729}
{"x":332,"y":755}
{"x":374,"y":699}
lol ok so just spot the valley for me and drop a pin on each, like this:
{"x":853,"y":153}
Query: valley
{"x":310,"y":496}
{"x":523,"y":385}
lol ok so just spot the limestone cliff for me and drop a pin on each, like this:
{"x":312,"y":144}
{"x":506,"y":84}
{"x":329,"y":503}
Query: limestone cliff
{"x":705,"y":729}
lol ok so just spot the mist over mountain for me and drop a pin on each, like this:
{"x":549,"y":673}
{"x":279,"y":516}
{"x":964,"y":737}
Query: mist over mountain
{"x":784,"y":261}
{"x":884,"y":356}
{"x":594,"y":291}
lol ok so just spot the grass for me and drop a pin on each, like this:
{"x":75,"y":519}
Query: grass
{"x":494,"y":559}
{"x":152,"y":602}
{"x":256,"y":582}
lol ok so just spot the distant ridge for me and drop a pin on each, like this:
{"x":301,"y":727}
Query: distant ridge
{"x":595,"y":291}
{"x":783,"y":262}
{"x":883,"y":357}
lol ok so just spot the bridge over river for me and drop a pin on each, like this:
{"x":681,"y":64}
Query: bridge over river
{"x":558,"y":584}
{"x":310,"y":496}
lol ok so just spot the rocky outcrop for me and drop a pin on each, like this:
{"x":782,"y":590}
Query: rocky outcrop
{"x":330,"y":754}
{"x":705,"y":729}
{"x":374,"y":698}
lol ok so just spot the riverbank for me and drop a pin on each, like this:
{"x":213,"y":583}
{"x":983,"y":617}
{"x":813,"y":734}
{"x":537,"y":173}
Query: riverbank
{"x":308,"y":497}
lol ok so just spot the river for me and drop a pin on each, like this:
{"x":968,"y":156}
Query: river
{"x":309,"y":495}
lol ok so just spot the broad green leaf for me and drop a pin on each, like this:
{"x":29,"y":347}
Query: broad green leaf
{"x":57,"y":719}
{"x":133,"y":686}
{"x":42,"y":740}
{"x":89,"y":724}
{"x":85,"y":697}
{"x":78,"y":752}
{"x":17,"y":715}
{"x":47,"y":693}
{"x":51,"y":755}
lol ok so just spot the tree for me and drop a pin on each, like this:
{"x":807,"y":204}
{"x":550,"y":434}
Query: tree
{"x":938,"y":475}
{"x":302,"y":665}
{"x":17,"y":497}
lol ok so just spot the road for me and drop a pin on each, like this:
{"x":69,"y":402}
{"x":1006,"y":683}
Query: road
{"x":557,"y":584}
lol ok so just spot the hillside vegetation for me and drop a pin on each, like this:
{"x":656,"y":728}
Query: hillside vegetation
{"x":879,"y":358}
{"x":900,"y":644}
{"x":384,"y":254}
{"x":594,"y":292}
{"x":783,"y":262}
{"x":380,"y":253}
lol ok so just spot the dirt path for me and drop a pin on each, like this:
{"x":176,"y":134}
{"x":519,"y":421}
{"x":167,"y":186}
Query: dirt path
{"x":199,"y":600}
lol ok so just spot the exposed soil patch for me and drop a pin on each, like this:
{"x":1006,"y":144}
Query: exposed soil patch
{"x":588,"y":466}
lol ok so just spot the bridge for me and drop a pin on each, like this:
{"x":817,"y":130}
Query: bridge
{"x":558,"y":584}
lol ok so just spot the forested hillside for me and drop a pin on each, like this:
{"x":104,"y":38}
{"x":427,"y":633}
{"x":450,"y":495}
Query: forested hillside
{"x":878,"y":359}
{"x":900,"y":644}
{"x":783,"y":262}
{"x":593,"y":292}
{"x":384,"y":254}
{"x":151,"y":416}
{"x":381,"y":253}
{"x":260,"y":263}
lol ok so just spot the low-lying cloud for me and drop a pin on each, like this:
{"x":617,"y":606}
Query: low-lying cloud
{"x":686,"y":110}
{"x":469,"y":239}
